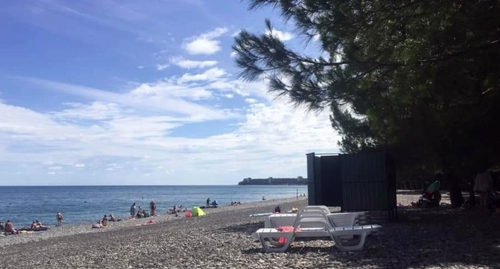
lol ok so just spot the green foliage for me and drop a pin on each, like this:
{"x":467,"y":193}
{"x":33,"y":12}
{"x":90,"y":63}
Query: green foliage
{"x":420,"y":79}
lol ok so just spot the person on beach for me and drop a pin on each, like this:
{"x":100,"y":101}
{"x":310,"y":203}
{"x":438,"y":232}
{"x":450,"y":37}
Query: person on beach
{"x":59,"y":218}
{"x":140,"y":213}
{"x":208,"y":202}
{"x":2,"y":226}
{"x":104,"y":221}
{"x":152,"y":207}
{"x":111,"y":217}
{"x":482,"y":186}
{"x":132,"y":211}
{"x":9,"y":228}
{"x":277,"y":209}
{"x":97,"y":225}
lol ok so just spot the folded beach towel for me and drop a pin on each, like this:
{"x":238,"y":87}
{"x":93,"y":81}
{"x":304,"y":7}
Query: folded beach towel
{"x":282,"y":240}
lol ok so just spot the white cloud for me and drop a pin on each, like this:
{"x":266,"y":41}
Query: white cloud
{"x":94,"y":111}
{"x":150,"y":102}
{"x":140,"y":67}
{"x":283,"y":36}
{"x":205,"y":43}
{"x":209,"y":75}
{"x":233,"y":54}
{"x":112,"y":131}
{"x":189,"y":64}
{"x":55,"y":168}
{"x":161,"y":67}
{"x":235,"y":33}
{"x":167,"y":89}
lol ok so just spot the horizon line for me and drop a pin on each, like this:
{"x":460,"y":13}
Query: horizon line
{"x":136,"y":185}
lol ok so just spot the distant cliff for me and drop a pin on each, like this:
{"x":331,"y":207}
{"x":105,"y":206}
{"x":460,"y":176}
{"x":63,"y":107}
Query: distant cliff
{"x":274,"y":181}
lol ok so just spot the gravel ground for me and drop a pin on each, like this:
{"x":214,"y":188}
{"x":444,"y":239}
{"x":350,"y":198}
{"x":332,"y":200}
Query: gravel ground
{"x":436,"y":238}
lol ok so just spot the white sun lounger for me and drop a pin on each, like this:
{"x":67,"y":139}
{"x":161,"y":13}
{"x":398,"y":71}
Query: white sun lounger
{"x":336,"y":219}
{"x":318,"y":225}
{"x":270,"y":236}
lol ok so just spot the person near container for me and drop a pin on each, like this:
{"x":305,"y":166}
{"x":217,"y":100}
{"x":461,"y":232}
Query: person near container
{"x":483,"y":185}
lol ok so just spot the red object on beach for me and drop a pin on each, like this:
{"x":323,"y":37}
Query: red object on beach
{"x":188,"y":214}
{"x":282,"y":240}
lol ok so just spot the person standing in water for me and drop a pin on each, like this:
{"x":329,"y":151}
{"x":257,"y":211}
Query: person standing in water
{"x":132,"y":211}
{"x":59,"y":218}
{"x":152,"y":207}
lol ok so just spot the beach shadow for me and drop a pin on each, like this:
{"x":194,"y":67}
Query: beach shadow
{"x":423,"y":237}
{"x":247,"y":228}
{"x":294,"y":249}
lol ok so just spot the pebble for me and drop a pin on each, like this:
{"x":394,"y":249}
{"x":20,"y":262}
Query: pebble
{"x":434,"y":238}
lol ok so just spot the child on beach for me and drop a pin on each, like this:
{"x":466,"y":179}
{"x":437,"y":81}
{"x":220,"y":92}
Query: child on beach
{"x":59,"y":218}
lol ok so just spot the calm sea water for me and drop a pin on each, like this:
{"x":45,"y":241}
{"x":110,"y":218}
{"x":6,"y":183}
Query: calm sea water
{"x":81,"y":204}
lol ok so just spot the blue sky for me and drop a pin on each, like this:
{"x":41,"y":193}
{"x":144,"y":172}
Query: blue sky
{"x":143,"y":92}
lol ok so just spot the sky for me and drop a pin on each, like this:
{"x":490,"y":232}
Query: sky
{"x":126,"y":92}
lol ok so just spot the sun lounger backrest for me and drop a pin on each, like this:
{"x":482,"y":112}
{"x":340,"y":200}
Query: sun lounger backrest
{"x":343,"y":219}
{"x":317,"y":207}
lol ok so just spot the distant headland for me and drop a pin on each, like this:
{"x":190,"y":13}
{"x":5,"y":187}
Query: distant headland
{"x":274,"y":181}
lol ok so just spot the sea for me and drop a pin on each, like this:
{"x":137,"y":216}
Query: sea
{"x":83,"y":204}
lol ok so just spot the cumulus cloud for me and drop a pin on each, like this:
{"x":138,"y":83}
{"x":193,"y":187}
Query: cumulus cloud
{"x":205,"y":43}
{"x":268,"y":134}
{"x":283,"y":36}
{"x":112,"y":128}
{"x":189,"y":64}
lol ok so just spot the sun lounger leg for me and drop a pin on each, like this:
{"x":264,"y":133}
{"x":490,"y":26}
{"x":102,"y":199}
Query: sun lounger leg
{"x":357,"y":247}
{"x":267,"y":248}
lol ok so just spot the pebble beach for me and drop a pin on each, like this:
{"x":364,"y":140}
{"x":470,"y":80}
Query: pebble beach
{"x":430,"y":238}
